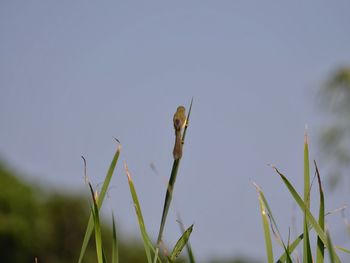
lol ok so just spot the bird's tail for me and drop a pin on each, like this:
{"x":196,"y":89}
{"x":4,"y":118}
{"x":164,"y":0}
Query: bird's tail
{"x":177,"y":152}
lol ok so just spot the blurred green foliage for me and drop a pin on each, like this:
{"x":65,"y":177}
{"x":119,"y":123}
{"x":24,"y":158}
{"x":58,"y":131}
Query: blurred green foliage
{"x":50,"y":227}
{"x":236,"y":260}
{"x":335,"y":135}
{"x":18,"y":224}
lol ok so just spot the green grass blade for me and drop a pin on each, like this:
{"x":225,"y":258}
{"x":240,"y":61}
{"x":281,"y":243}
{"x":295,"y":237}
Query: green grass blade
{"x":145,"y":237}
{"x":307,"y":256}
{"x":168,"y":198}
{"x":108,"y":177}
{"x":170,"y":188}
{"x":273,"y":223}
{"x":261,"y":193}
{"x":106,"y":182}
{"x":188,"y":245}
{"x":265,"y":221}
{"x":331,"y":251}
{"x":181,"y":243}
{"x":115,"y":251}
{"x":321,"y":218}
{"x":190,"y":253}
{"x":291,"y":248}
{"x":310,"y":217}
{"x":302,"y":206}
{"x":104,"y":256}
{"x":187,"y":121}
{"x":343,"y":249}
{"x":96,"y":218}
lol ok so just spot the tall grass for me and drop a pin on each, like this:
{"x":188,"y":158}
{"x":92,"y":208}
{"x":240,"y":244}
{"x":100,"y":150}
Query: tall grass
{"x":270,"y":227}
{"x":151,"y":250}
{"x":97,"y":203}
{"x":323,"y":240}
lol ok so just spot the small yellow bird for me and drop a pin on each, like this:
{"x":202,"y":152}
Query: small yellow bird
{"x":179,"y":123}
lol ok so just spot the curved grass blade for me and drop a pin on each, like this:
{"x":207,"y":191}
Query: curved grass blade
{"x":146,"y":240}
{"x":115,"y":251}
{"x":310,"y":217}
{"x":291,"y":248}
{"x":343,"y":249}
{"x":274,"y":225}
{"x":302,"y":206}
{"x":180,"y":244}
{"x":321,"y":218}
{"x":170,"y":188}
{"x":96,"y":218}
{"x":307,"y":256}
{"x":188,"y":245}
{"x":265,"y":221}
{"x":104,"y":188}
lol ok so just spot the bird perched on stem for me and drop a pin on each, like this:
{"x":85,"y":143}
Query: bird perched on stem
{"x":179,"y":123}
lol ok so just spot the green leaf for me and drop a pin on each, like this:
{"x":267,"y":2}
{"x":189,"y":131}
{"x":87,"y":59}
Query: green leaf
{"x":321,"y":218}
{"x":187,"y":121}
{"x":96,"y":218}
{"x":291,"y":248}
{"x":181,"y":243}
{"x":304,"y":209}
{"x":106,"y":182}
{"x":104,"y":256}
{"x":188,"y":245}
{"x":307,"y":256}
{"x":168,"y":198}
{"x":266,"y":227}
{"x":115,"y":251}
{"x":146,"y":240}
{"x":331,"y":251}
{"x":273,"y":224}
{"x":343,"y":249}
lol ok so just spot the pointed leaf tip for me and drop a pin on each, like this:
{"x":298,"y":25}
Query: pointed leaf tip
{"x":127,"y":172}
{"x":306,"y":137}
{"x":257,"y":187}
{"x":180,"y":244}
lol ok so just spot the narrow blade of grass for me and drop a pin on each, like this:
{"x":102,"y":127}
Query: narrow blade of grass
{"x":273,"y":223}
{"x":146,"y":240}
{"x":96,"y":218}
{"x":170,"y":188}
{"x":331,"y":251}
{"x":307,"y":256}
{"x":106,"y":182}
{"x":104,"y":256}
{"x":291,"y":248}
{"x":343,"y":249}
{"x":188,"y":244}
{"x":168,"y":198}
{"x":265,"y":221}
{"x":321,"y":218}
{"x":187,"y":121}
{"x":301,"y":204}
{"x":115,"y":250}
{"x":180,"y":244}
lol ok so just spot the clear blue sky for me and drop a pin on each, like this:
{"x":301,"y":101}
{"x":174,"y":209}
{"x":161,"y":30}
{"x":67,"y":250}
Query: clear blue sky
{"x":73,"y":74}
